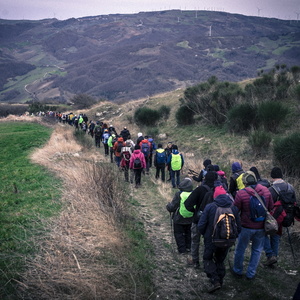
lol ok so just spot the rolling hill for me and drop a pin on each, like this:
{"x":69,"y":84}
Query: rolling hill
{"x":124,"y":57}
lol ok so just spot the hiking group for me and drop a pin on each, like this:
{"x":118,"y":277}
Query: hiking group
{"x":231,"y":212}
{"x":225,"y":212}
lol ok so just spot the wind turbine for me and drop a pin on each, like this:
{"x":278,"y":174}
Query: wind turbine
{"x":258,"y":11}
{"x":297,"y":16}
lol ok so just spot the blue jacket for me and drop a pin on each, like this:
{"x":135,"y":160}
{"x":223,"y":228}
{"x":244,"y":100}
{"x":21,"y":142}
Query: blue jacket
{"x":206,"y":222}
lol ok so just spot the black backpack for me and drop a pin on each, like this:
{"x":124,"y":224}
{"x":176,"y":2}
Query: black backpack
{"x":98,"y":131}
{"x":288,"y":202}
{"x":119,"y":147}
{"x":137,"y":164}
{"x":225,"y":228}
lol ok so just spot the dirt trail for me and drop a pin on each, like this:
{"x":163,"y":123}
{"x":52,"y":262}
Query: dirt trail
{"x":173,"y":279}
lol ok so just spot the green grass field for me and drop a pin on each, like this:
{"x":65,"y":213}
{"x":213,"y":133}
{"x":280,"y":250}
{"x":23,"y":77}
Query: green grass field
{"x":28,"y":195}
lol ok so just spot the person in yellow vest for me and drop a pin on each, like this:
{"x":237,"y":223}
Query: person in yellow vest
{"x":175,"y":163}
{"x":181,"y":217}
{"x":235,"y":181}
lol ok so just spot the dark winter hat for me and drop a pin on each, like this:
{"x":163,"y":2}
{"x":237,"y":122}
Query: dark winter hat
{"x":211,"y":176}
{"x":236,"y":166}
{"x":206,"y":162}
{"x":210,"y":168}
{"x":255,"y":171}
{"x":249,"y":178}
{"x":136,"y":147}
{"x":276,"y":173}
{"x":217,"y":168}
{"x":186,"y":185}
{"x":159,"y":145}
{"x":174,"y":147}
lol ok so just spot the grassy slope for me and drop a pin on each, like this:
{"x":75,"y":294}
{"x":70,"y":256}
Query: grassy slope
{"x":27,"y":194}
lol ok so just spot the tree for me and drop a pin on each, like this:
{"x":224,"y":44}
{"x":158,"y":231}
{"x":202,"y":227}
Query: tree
{"x":82,"y":101}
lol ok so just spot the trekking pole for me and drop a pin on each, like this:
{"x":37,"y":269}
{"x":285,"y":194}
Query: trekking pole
{"x":171,"y":225}
{"x":290,"y":241}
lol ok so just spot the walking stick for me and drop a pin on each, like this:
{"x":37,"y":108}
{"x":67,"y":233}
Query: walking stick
{"x":171,"y":225}
{"x":288,"y":232}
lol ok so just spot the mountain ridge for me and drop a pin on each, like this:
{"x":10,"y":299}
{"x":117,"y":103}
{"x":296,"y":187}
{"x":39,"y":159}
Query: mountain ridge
{"x":123,"y":57}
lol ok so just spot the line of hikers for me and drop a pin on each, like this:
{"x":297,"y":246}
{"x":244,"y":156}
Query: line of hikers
{"x":224,"y":213}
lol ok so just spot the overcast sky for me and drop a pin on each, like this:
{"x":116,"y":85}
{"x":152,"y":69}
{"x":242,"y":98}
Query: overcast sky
{"x":64,"y":9}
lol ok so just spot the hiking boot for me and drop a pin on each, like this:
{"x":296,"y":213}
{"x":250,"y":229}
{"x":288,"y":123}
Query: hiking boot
{"x":214,"y":287}
{"x":191,"y":263}
{"x":236,"y":275}
{"x":271,"y":261}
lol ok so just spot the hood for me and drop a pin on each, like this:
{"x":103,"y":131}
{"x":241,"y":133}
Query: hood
{"x":223,"y":200}
{"x":235,"y":167}
{"x":120,"y":139}
{"x":186,"y":185}
{"x":136,"y":151}
{"x":175,"y":151}
{"x":150,"y":140}
{"x":206,"y":162}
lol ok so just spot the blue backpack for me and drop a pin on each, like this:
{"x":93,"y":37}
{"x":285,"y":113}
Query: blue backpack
{"x":257,"y":211}
{"x":145,"y":149}
{"x":161,"y":157}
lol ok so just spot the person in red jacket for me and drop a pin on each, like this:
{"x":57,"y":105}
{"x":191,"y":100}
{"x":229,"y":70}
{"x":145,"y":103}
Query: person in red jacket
{"x":252,"y":230}
{"x":137,"y":164}
{"x":118,"y":145}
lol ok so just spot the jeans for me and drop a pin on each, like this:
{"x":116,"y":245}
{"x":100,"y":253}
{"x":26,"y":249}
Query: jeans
{"x":177,"y":174}
{"x":195,"y":236}
{"x":271,"y":245}
{"x":257,"y":236}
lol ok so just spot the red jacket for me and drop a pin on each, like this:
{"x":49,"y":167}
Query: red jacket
{"x":137,"y":153}
{"x":242,"y":202}
{"x":119,"y":140}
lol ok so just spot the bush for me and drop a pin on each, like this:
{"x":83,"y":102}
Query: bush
{"x":83,"y":101}
{"x":146,"y":116}
{"x":287,"y":153}
{"x":259,"y":141}
{"x":184,"y":116}
{"x":271,"y":114}
{"x":164,"y":111}
{"x":242,"y":117}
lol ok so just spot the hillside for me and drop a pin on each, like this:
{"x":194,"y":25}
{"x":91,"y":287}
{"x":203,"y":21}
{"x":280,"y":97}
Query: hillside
{"x":124,"y":57}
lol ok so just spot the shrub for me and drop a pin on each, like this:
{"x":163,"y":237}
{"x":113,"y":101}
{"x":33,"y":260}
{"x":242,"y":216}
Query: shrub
{"x":184,"y":116}
{"x":271,"y":114}
{"x":146,"y":116}
{"x":83,"y":101}
{"x":242,"y":117}
{"x":259,"y":141}
{"x":164,"y":111}
{"x":297,"y":92}
{"x":287,"y":152}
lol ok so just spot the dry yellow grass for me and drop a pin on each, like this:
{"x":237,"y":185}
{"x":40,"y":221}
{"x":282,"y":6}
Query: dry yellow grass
{"x":69,"y":261}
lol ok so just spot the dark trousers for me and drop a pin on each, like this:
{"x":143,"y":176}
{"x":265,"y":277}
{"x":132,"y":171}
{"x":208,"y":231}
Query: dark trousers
{"x":213,"y":262}
{"x":137,"y":176}
{"x":161,"y":168}
{"x":175,"y":177}
{"x":182,"y":234}
{"x":111,"y":155}
{"x":97,"y":141}
{"x":105,"y":149}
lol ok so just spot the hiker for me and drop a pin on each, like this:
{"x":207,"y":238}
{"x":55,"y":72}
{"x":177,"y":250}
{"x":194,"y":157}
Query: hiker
{"x":237,"y":171}
{"x":195,"y":203}
{"x":214,"y":256}
{"x":263,"y":181}
{"x":91,"y":128}
{"x":182,"y":219}
{"x":117,"y":150}
{"x":111,"y":141}
{"x":252,"y":222}
{"x":221,"y":177}
{"x":140,"y":138}
{"x":176,"y":162}
{"x":168,"y":151}
{"x":105,"y":137}
{"x":132,"y":144}
{"x":272,"y":242}
{"x":111,"y":129}
{"x":145,"y":149}
{"x":125,"y":133}
{"x":137,"y":164}
{"x":160,"y":160}
{"x":202,"y":173}
{"x":152,"y":149}
{"x":126,"y":154}
{"x":98,"y":134}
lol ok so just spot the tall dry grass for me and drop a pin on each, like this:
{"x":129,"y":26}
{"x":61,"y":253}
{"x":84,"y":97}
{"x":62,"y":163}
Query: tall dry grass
{"x":75,"y":254}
